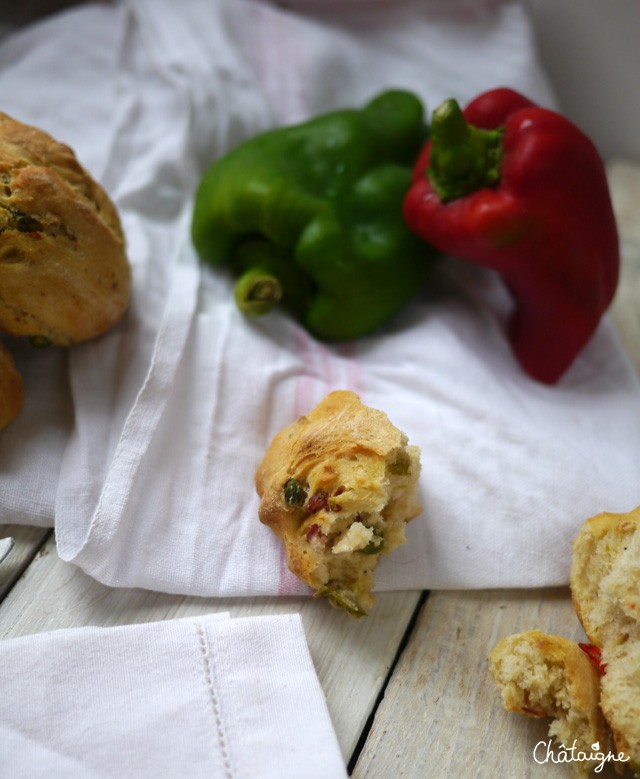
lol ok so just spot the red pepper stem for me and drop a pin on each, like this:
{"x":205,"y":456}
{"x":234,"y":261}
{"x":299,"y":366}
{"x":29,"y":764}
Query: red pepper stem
{"x":463,"y":158}
{"x":257,"y":291}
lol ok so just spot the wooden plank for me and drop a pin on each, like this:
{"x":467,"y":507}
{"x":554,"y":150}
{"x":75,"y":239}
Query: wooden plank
{"x":352,"y":657}
{"x":441,"y":714}
{"x":28,"y":542}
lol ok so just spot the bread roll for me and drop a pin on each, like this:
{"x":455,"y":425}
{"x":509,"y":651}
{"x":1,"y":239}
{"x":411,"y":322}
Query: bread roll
{"x":337,"y":487}
{"x":551,"y":676}
{"x":64,"y":274}
{"x":605,"y":586}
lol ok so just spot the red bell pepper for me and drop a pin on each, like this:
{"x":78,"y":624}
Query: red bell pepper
{"x":595,"y":655}
{"x":519,"y":189}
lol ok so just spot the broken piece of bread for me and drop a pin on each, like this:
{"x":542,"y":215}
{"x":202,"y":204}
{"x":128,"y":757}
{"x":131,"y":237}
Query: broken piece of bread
{"x":338,"y":487}
{"x":543,"y":675}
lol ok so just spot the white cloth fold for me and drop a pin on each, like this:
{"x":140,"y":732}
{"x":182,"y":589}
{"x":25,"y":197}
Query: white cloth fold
{"x":173,"y":410}
{"x":209,"y":697}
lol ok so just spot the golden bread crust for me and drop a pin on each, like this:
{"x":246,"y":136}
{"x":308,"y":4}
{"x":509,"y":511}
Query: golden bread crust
{"x":353,"y":477}
{"x":64,"y":273}
{"x":11,"y":388}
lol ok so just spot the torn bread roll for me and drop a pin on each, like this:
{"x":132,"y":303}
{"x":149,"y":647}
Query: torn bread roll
{"x":338,"y":487}
{"x":543,"y":675}
{"x":64,"y":273}
{"x":605,"y":587}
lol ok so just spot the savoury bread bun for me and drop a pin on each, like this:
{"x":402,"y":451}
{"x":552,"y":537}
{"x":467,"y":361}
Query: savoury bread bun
{"x":550,"y":676}
{"x":605,"y":578}
{"x":11,"y":388}
{"x":605,"y":586}
{"x":64,"y":274}
{"x":538,"y":674}
{"x":337,"y":487}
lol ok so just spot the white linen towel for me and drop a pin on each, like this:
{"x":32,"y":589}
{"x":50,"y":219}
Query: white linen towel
{"x":172,"y":411}
{"x":208,"y":697}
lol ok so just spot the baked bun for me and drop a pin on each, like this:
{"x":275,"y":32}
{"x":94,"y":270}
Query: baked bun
{"x":549,"y":676}
{"x":605,"y":586}
{"x":11,"y":388}
{"x":64,"y":273}
{"x":605,"y":578}
{"x":337,"y":487}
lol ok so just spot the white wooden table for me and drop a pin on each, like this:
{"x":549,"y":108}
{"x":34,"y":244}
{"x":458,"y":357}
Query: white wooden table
{"x":407,"y":688}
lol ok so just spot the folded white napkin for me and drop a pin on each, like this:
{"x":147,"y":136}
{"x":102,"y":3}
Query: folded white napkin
{"x":173,"y":410}
{"x":208,"y":697}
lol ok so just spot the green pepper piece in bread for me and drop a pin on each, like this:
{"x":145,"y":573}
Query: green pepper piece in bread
{"x":310,"y":217}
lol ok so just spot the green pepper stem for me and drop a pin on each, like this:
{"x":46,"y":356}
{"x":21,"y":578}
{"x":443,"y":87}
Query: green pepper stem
{"x":463,"y":158}
{"x":257,"y":291}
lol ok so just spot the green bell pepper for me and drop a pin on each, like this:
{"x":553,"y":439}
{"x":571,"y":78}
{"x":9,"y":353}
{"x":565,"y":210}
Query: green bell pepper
{"x":310,"y":217}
